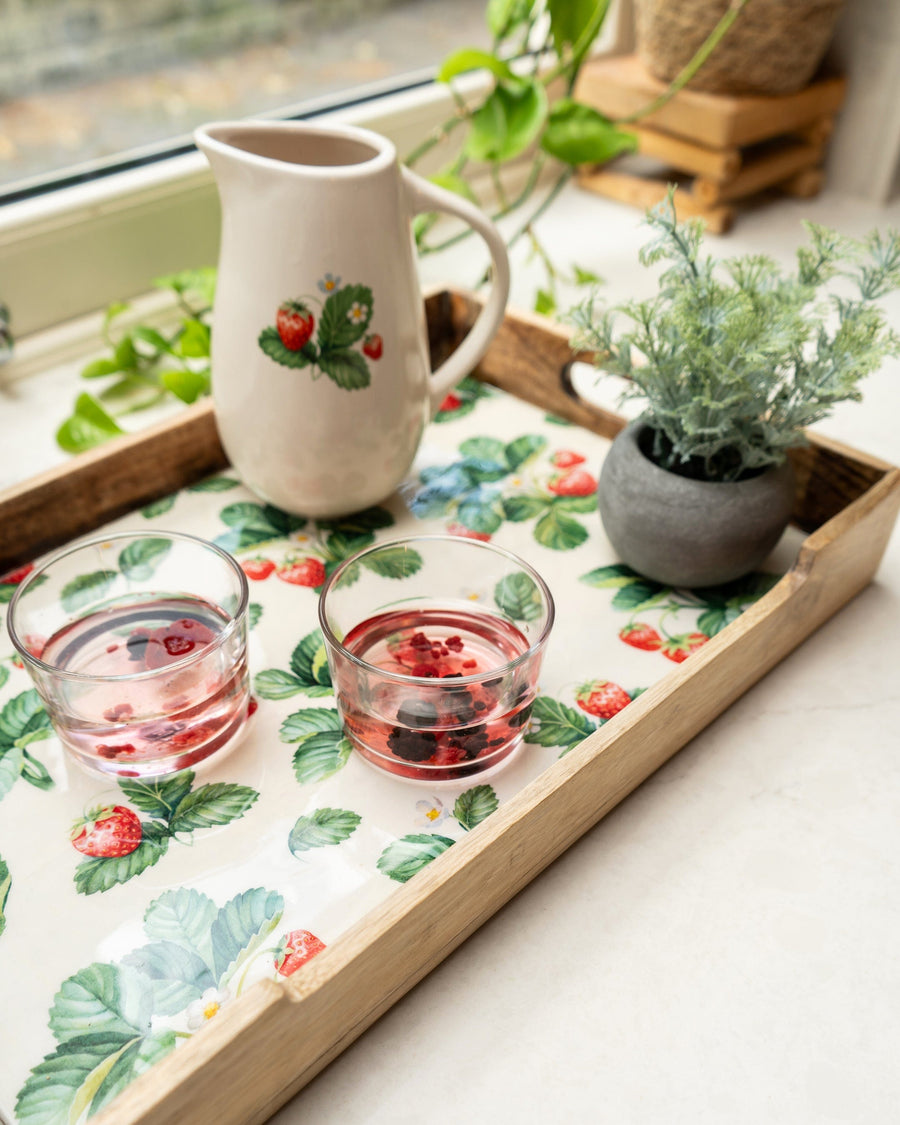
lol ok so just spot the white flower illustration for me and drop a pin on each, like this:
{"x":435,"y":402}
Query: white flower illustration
{"x":357,"y":312}
{"x":199,"y":1011}
{"x":430,"y":812}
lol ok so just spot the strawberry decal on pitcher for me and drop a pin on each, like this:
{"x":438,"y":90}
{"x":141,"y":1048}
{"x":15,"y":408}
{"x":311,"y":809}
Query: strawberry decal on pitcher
{"x":343,"y":322}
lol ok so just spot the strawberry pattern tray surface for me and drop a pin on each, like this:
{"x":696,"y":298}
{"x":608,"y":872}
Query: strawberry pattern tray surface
{"x":131,"y":912}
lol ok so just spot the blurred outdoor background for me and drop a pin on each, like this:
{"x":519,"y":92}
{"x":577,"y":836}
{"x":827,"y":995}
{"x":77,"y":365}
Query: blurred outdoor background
{"x":86,"y":80}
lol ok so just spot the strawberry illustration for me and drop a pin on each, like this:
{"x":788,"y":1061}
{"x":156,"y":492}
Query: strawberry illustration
{"x":680,"y":648}
{"x":467,"y":533}
{"x":372,"y":346}
{"x":566,"y":459}
{"x":258,"y":569}
{"x":14,"y":577}
{"x":304,"y":572}
{"x":602,"y":698}
{"x":641,"y":635}
{"x":295,"y":949}
{"x":295,"y":323}
{"x":451,"y":402}
{"x":108,"y":832}
{"x":575,"y":482}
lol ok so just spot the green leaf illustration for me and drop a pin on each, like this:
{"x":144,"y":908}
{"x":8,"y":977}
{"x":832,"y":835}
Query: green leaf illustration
{"x":518,"y":597}
{"x":407,"y":856}
{"x":346,"y":368}
{"x":4,"y":674}
{"x":178,"y":975}
{"x":639,"y":595}
{"x":345,"y":317}
{"x":93,"y":876}
{"x":214,"y":484}
{"x":321,"y":755}
{"x":130,"y":1063}
{"x":158,"y":507}
{"x":159,"y":797}
{"x":309,"y":664}
{"x":524,"y":449}
{"x":481,"y":510}
{"x":517,"y":509}
{"x":555,"y":724}
{"x":713,"y":621}
{"x":467,"y":394}
{"x":475,"y":805}
{"x":5,"y":884}
{"x":254,"y":614}
{"x":369,"y":519}
{"x":140,"y":559}
{"x":274,"y":683}
{"x":250,"y":524}
{"x":12,"y":758}
{"x":184,"y":917}
{"x":102,"y":999}
{"x":583,"y":504}
{"x":241,"y":926}
{"x":86,"y":588}
{"x":558,"y":531}
{"x":487,"y":449}
{"x":614,"y":576}
{"x":60,"y":1087}
{"x":322,"y":827}
{"x":303,"y":724}
{"x":22,"y":721}
{"x":211,"y":805}
{"x":271,"y":344}
{"x":341,"y":544}
{"x":394,"y":562}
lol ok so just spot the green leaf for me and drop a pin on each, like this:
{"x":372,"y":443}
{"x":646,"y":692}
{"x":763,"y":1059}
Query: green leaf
{"x":214,"y":484}
{"x":544,"y":302}
{"x":518,"y":597}
{"x":369,"y":519}
{"x":407,"y":856}
{"x":557,"y":724}
{"x":508,"y":121}
{"x":505,"y":16}
{"x":713,"y":621}
{"x":86,"y":588}
{"x":309,"y":663}
{"x":274,"y":683}
{"x":639,"y":595}
{"x":150,"y":336}
{"x":254,"y":614}
{"x":394,"y":562}
{"x":126,"y":357}
{"x":321,"y":756}
{"x":241,"y":927}
{"x":586,"y":277}
{"x":5,"y":884}
{"x":578,"y":134}
{"x":159,"y":797}
{"x":475,"y":805}
{"x":252,"y":523}
{"x":211,"y":805}
{"x":322,"y":827}
{"x":159,"y":507}
{"x":89,"y":425}
{"x":271,"y":344}
{"x":22,"y":717}
{"x":93,"y":876}
{"x":186,"y":385}
{"x":178,"y":975}
{"x":524,"y":449}
{"x":140,"y":558}
{"x":98,"y":368}
{"x":184,"y":917}
{"x":12,"y":759}
{"x":558,"y":531}
{"x":338,"y":327}
{"x":614,"y":576}
{"x":193,"y":343}
{"x":583,"y":504}
{"x":4,"y":674}
{"x":470,"y":58}
{"x":569,"y":20}
{"x":200,"y":283}
{"x":132,"y":1062}
{"x":341,"y":546}
{"x":524,"y":507}
{"x":346,"y":368}
{"x":60,"y":1087}
{"x":311,"y":720}
{"x":102,"y":999}
{"x":449,"y":181}
{"x":484,"y":449}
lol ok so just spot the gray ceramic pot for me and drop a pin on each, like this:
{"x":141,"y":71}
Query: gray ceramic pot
{"x":685,"y":532}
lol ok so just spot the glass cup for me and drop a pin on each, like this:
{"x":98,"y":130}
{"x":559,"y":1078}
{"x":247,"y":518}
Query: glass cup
{"x":137,"y":646}
{"x":435,"y":645}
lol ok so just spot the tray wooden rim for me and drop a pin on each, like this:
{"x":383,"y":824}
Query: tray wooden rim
{"x":274,"y":1039}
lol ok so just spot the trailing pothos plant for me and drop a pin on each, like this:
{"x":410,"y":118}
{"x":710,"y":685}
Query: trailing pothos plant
{"x":143,"y":365}
{"x":735,"y":358}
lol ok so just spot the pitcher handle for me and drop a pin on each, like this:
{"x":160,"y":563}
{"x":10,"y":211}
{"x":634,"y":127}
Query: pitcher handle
{"x":425,"y":196}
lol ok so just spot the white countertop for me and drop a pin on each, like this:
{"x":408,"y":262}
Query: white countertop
{"x":723,"y":946}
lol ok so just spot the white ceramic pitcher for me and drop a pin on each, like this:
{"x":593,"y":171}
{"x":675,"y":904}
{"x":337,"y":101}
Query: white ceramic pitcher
{"x":320,"y":370}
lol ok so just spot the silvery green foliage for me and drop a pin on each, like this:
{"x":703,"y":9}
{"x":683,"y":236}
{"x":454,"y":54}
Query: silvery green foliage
{"x":735,"y":358}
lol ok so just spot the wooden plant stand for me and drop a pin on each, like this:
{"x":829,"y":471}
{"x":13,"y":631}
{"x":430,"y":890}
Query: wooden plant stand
{"x":720,"y":149}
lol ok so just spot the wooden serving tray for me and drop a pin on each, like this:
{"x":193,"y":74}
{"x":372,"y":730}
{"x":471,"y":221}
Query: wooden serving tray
{"x":270,"y":1042}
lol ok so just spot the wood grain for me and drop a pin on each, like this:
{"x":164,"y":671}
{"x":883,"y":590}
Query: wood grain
{"x":644,"y":192}
{"x":271,"y":1041}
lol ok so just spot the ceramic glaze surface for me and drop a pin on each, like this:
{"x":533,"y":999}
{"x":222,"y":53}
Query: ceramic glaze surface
{"x":321,"y":378}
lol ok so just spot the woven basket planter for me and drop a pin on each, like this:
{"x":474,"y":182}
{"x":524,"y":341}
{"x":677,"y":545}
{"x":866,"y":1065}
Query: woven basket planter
{"x":774,"y":46}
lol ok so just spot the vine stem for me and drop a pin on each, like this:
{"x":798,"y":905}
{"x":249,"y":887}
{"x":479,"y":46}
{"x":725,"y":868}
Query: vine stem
{"x":548,"y":199}
{"x":441,"y":133}
{"x":703,"y":52}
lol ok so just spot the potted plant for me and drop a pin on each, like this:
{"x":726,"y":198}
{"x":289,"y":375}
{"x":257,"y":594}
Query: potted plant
{"x":734,"y":359}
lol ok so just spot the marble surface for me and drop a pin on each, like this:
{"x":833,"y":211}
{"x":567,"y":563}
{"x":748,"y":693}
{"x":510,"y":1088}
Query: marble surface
{"x":722,"y":947}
